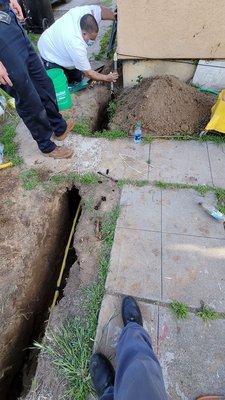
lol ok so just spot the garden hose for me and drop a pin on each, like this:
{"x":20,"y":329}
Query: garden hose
{"x":63,"y":266}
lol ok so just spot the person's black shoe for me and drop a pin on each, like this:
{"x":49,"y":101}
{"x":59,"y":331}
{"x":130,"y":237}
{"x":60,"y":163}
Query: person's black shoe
{"x":131,"y":311}
{"x":102,"y":373}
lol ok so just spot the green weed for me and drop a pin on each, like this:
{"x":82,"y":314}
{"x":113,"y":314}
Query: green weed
{"x":83,"y":128}
{"x":30,"y":179}
{"x":70,"y":348}
{"x":207,"y":313}
{"x":104,"y":42}
{"x":123,"y":182}
{"x":148,"y":139}
{"x":111,"y":109}
{"x":34,"y":39}
{"x":180,"y":310}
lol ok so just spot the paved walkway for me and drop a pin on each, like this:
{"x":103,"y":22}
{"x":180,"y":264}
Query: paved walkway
{"x":167,"y":248}
{"x":171,"y":161}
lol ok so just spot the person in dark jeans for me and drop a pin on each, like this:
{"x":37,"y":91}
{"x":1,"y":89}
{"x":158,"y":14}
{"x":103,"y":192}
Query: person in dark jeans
{"x":23,"y":77}
{"x":138,"y":373}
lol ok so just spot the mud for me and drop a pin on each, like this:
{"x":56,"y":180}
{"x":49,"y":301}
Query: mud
{"x":165,"y":106}
{"x":32,"y":228}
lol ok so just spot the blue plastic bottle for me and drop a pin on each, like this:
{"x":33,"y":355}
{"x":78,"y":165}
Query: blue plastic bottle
{"x":137,"y":133}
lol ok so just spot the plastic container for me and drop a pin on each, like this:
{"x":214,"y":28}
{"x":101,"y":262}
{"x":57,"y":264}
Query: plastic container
{"x":138,"y":133}
{"x":60,"y":83}
{"x":211,"y":210}
{"x":1,"y":152}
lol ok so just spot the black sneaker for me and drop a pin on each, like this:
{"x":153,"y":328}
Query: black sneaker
{"x":102,"y":373}
{"x":131,"y":311}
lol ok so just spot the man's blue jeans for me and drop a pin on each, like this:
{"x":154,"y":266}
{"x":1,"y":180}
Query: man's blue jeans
{"x":32,"y":89}
{"x":138,"y":373}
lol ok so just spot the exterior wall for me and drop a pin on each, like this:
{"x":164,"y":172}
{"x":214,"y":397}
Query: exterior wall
{"x":132,"y":69}
{"x":174,"y":29}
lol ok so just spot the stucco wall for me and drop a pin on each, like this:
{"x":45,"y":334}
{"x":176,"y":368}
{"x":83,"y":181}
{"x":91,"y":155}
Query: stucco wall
{"x":162,"y":29}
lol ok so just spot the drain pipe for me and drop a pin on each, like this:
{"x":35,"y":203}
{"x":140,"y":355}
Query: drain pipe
{"x":59,"y":281}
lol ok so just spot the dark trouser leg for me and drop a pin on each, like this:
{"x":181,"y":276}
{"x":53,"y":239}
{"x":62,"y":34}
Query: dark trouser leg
{"x":45,"y":89}
{"x":138,"y":373}
{"x":73,"y":75}
{"x":14,"y":53}
{"x":109,"y":394}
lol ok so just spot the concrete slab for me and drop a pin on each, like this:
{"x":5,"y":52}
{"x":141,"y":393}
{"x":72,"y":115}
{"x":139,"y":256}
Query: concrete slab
{"x":135,"y":266}
{"x":217,"y":161}
{"x":124,"y":159}
{"x":140,"y":208}
{"x":181,"y":214}
{"x":110,"y":324}
{"x":193,"y":270}
{"x":180,"y":162}
{"x":86,"y":158}
{"x":192,"y":355}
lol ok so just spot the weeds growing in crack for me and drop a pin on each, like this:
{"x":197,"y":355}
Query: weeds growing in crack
{"x":123,"y":182}
{"x":180,"y":310}
{"x":201,"y":189}
{"x":207,"y":313}
{"x":70,"y":348}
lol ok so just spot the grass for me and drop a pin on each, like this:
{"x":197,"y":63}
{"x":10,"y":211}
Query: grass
{"x":7,"y":136}
{"x":70,"y":348}
{"x":83,"y":128}
{"x":59,"y":179}
{"x":30,"y":179}
{"x":207,"y":313}
{"x":111,"y":109}
{"x":137,"y":183}
{"x":201,"y":189}
{"x":104,"y":42}
{"x":180,"y":310}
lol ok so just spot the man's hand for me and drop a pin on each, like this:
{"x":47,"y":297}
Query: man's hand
{"x":112,"y":77}
{"x":17,"y":9}
{"x":4,"y":77}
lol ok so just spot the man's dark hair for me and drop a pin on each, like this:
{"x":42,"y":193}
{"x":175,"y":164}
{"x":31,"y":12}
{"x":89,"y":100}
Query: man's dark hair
{"x":89,"y":24}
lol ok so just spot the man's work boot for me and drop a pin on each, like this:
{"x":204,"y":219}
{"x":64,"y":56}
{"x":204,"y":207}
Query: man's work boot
{"x":70,"y":126}
{"x":131,"y":311}
{"x":102,"y":373}
{"x":60,"y":152}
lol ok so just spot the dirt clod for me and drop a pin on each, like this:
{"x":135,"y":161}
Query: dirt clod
{"x":165,"y":106}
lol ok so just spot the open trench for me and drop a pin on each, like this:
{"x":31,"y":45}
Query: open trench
{"x":18,"y":379}
{"x":30,"y":308}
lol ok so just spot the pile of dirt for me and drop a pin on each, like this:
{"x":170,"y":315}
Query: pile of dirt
{"x":165,"y":106}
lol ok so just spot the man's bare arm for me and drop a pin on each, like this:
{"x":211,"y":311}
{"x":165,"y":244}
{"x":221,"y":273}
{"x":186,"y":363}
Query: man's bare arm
{"x":96,"y":76}
{"x":107,"y":14}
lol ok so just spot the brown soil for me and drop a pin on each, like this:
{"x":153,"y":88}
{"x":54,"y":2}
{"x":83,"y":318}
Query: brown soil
{"x":33,"y":230}
{"x":165,"y":106}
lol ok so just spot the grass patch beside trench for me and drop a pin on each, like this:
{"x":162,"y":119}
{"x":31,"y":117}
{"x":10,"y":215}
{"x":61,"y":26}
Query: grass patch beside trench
{"x":70,"y":348}
{"x":83,"y":128}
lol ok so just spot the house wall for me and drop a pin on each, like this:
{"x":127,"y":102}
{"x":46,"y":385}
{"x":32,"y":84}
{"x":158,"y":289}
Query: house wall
{"x":174,"y":29}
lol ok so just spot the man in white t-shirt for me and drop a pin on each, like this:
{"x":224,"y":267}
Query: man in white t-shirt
{"x":65,"y":43}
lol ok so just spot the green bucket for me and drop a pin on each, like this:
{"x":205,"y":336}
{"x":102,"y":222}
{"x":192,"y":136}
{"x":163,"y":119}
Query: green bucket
{"x":60,"y":83}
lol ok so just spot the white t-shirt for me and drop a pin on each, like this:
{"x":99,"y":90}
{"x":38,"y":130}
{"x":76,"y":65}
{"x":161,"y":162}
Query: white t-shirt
{"x":62,"y":43}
